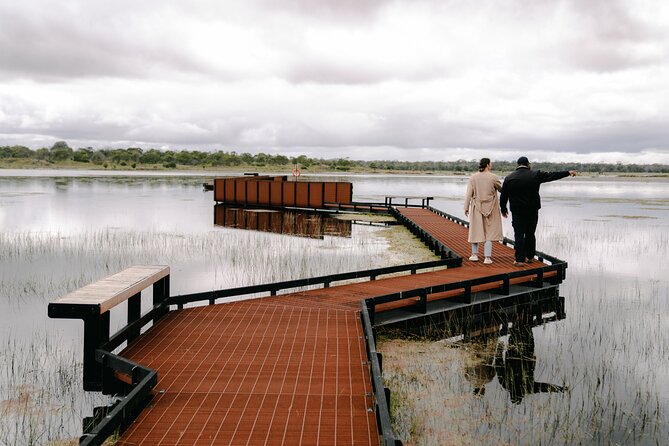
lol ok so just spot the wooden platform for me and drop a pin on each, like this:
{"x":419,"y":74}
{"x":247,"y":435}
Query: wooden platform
{"x":289,"y":369}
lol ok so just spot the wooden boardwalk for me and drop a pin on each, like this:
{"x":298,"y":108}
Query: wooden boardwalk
{"x":289,"y":369}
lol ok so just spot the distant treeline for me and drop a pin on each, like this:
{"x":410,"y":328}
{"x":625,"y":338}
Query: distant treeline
{"x":132,"y":157}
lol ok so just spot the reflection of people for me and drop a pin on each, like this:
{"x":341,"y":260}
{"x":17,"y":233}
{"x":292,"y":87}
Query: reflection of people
{"x":521,"y":189}
{"x":480,"y":365}
{"x":515,"y":371}
{"x":485,"y":222}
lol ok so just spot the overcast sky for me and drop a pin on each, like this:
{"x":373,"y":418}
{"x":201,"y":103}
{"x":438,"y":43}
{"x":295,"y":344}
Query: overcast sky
{"x":573,"y":80}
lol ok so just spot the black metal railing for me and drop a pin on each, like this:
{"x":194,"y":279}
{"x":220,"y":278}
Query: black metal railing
{"x":374,"y":206}
{"x":507,"y":241}
{"x":381,"y":393}
{"x":425,"y":201}
{"x":101,"y":366}
{"x":435,"y":245}
{"x":133,"y":395}
{"x":421,"y":294}
{"x":326,"y":281}
{"x":142,"y":382}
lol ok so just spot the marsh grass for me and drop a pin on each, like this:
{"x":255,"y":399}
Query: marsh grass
{"x":40,"y":390}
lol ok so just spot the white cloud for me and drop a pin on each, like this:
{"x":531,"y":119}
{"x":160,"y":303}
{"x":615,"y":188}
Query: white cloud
{"x":363,"y":79}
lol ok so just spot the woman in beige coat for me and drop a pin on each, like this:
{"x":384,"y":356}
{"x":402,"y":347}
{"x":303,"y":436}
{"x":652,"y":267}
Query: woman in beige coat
{"x":481,"y":201}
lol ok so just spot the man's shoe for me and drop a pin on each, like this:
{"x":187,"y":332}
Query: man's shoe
{"x":487,"y":261}
{"x":519,"y":263}
{"x":529,"y":260}
{"x":474,"y":258}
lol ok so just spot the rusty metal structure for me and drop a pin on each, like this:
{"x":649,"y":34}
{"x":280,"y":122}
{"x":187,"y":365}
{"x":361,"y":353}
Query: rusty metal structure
{"x":278,"y":192}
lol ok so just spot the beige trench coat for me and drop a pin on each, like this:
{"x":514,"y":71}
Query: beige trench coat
{"x":485,"y":219}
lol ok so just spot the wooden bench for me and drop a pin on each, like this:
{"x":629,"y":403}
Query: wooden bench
{"x":93,"y":302}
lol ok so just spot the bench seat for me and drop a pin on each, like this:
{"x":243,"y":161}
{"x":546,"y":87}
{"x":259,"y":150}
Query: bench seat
{"x":102,"y":295}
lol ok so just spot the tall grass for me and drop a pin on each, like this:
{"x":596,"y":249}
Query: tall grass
{"x":40,"y":390}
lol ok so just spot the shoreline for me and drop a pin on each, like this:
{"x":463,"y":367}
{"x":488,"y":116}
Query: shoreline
{"x":8,"y":170}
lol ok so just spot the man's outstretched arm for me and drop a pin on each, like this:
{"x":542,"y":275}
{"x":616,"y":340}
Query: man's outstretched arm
{"x":545,"y":177}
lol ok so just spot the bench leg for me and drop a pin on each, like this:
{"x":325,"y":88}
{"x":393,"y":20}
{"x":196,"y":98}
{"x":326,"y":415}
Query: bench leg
{"x":96,"y":332}
{"x":134,"y":313}
{"x":161,"y":291}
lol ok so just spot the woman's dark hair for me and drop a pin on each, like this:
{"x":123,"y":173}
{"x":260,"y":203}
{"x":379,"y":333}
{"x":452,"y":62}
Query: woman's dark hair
{"x":483,"y":164}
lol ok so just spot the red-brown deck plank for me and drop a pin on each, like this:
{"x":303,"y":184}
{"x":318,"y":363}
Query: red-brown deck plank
{"x":288,"y":369}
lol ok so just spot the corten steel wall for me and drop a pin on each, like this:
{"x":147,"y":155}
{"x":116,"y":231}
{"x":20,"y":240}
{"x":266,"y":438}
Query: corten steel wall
{"x":302,"y":195}
{"x":316,"y":195}
{"x":277,"y":192}
{"x":226,"y":189}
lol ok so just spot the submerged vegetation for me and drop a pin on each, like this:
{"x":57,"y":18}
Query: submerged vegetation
{"x":61,"y":155}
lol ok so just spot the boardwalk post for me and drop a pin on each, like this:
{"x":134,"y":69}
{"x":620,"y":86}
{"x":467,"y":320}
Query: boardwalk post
{"x":422,"y":303}
{"x":506,"y":284}
{"x":134,"y":313}
{"x":96,"y":332}
{"x":468,"y":293}
{"x":539,"y":282}
{"x":161,"y":291}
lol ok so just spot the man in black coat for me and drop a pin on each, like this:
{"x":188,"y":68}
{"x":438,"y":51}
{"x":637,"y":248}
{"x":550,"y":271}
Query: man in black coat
{"x":521,"y":189}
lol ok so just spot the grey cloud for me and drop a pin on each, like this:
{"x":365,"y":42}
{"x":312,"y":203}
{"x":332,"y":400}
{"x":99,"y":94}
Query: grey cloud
{"x":615,"y":136}
{"x":310,"y":68}
{"x":40,"y":45}
{"x":349,"y":10}
{"x":609,"y":37}
{"x":323,"y":71}
{"x":397,"y":128}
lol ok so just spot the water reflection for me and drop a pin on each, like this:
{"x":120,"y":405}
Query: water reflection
{"x":513,"y":362}
{"x":301,"y":224}
{"x":515,"y":367}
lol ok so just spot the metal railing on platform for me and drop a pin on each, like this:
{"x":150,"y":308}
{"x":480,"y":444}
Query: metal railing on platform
{"x":326,"y":281}
{"x":143,"y":380}
{"x":425,"y":201}
{"x":381,"y":393}
{"x":435,"y":245}
{"x":467,"y":286}
{"x":376,"y":207}
{"x":507,"y":241}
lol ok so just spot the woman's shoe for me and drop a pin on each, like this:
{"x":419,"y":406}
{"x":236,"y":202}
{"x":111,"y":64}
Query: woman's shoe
{"x":487,"y":261}
{"x":474,"y":258}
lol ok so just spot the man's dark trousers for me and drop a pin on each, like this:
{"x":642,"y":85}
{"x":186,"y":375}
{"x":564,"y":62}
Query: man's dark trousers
{"x":524,"y":225}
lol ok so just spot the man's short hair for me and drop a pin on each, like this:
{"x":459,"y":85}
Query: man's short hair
{"x":523,"y":161}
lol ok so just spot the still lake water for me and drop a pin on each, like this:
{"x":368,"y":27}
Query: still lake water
{"x":62,"y":230}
